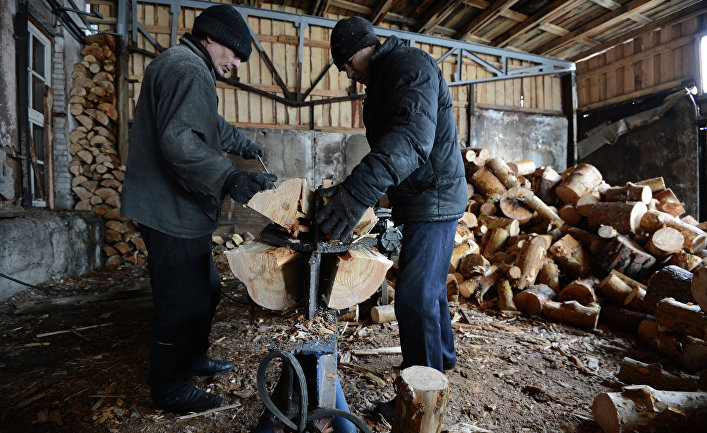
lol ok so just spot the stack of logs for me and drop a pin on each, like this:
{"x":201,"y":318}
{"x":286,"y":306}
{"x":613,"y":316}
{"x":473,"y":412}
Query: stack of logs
{"x":95,"y":164}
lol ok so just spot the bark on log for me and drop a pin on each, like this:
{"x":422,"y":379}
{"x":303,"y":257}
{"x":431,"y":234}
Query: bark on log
{"x":627,"y":257}
{"x":668,"y":282}
{"x":569,"y":214}
{"x":549,"y":274}
{"x":633,"y":372}
{"x":512,"y":226}
{"x":582,"y":291}
{"x":640,"y":408}
{"x":522,"y":168}
{"x":629,"y":192}
{"x":590,"y":241}
{"x":461,"y":250}
{"x":544,"y":182}
{"x":383,"y":313}
{"x":496,"y":239}
{"x":532,"y":299}
{"x":685,"y":260}
{"x":487,"y":184}
{"x":656,"y":184}
{"x":698,"y":287}
{"x":274,"y":276}
{"x":530,"y":261}
{"x":452,"y":288}
{"x":503,"y":172}
{"x":422,"y":395}
{"x":624,"y":217}
{"x":571,"y":257}
{"x":505,"y":296}
{"x":356,"y":276}
{"x":669,"y":203}
{"x":573,"y":312}
{"x":682,"y":318}
{"x":690,"y":352}
{"x":581,"y":181}
{"x":621,"y":319}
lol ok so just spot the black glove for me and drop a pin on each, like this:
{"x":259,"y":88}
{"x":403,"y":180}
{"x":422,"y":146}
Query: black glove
{"x":243,"y":185}
{"x":252,"y":150}
{"x":339,"y":217}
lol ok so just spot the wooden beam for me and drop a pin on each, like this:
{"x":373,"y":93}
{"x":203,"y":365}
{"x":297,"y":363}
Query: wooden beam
{"x":438,"y":14}
{"x":351,"y":6}
{"x":598,"y":24}
{"x":485,"y":17}
{"x":544,"y":15}
{"x":611,"y":5}
{"x":671,"y":85}
{"x":379,"y":15}
{"x":320,"y":7}
{"x":674,"y":18}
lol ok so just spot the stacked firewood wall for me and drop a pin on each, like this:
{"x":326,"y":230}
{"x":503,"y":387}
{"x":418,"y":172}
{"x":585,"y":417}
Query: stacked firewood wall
{"x":571,"y":247}
{"x":95,"y":163}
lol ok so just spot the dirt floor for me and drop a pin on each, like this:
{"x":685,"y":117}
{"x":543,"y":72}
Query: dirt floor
{"x":81,"y":367}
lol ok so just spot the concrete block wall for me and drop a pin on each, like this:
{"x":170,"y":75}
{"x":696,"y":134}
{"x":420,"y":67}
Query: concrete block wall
{"x":43,"y":244}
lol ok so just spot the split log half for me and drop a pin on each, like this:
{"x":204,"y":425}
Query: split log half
{"x":356,"y":276}
{"x":668,"y":282}
{"x":571,"y":256}
{"x":582,"y":180}
{"x":549,"y":274}
{"x":274,"y":276}
{"x":573,"y":312}
{"x":669,"y":203}
{"x":633,"y":372}
{"x":544,"y":182}
{"x":461,"y":250}
{"x":532,"y":299}
{"x":640,"y":408}
{"x":505,"y":296}
{"x":682,"y":318}
{"x":421,"y":400}
{"x":496,"y":238}
{"x":530,"y":261}
{"x":285,"y":204}
{"x":591,"y":242}
{"x":624,"y":217}
{"x":656,"y":184}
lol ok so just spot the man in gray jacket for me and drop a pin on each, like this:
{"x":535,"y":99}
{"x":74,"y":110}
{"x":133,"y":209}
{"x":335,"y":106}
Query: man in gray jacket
{"x":177,"y":177}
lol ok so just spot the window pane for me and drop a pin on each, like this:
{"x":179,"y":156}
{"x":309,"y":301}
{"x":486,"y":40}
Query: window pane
{"x":37,"y":94}
{"x":38,"y":56}
{"x":38,"y":139}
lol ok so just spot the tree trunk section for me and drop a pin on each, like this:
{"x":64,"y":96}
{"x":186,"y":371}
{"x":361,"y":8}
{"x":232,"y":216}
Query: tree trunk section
{"x":571,"y":257}
{"x":629,"y":192}
{"x":690,"y":352}
{"x":422,"y":395}
{"x":624,"y":217}
{"x":682,"y":318}
{"x":695,"y":238}
{"x":640,"y":408}
{"x":633,"y":372}
{"x":383,"y":313}
{"x":668,"y":282}
{"x":582,"y":291}
{"x":664,"y":242}
{"x":581,"y":181}
{"x":532,"y":299}
{"x":487,"y":184}
{"x":573,"y":312}
{"x":623,"y":290}
{"x":627,"y":257}
{"x":503,"y":172}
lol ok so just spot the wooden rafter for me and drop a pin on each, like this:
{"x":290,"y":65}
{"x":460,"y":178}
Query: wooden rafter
{"x":544,"y":15}
{"x":485,"y":17}
{"x":611,"y":5}
{"x":351,"y":6}
{"x":380,"y":13}
{"x":438,"y":14}
{"x":674,"y":18}
{"x":598,"y":24}
{"x":320,"y":7}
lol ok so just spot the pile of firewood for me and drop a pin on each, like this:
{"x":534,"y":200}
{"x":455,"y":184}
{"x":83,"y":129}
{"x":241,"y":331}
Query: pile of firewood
{"x":95,"y":164}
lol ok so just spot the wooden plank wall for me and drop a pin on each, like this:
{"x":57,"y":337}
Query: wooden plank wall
{"x":279,"y":39}
{"x":654,"y":61}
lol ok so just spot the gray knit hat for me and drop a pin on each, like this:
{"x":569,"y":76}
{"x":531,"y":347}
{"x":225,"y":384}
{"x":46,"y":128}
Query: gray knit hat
{"x":349,"y":36}
{"x":226,"y":26}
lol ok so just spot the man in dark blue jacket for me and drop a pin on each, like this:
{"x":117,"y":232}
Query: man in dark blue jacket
{"x":177,"y":177}
{"x":416,"y":160}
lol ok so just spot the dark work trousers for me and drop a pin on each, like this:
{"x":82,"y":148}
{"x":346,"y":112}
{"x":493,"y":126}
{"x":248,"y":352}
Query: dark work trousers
{"x":421,"y":307}
{"x":185,"y":293}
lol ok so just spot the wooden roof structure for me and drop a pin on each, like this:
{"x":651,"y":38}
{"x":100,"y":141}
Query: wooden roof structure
{"x":562,"y":29}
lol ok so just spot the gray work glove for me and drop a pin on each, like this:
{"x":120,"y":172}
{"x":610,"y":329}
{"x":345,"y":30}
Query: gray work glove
{"x":339,"y":217}
{"x":252,"y":150}
{"x":243,"y":185}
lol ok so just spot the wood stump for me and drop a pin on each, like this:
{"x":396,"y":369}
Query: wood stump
{"x":421,"y":400}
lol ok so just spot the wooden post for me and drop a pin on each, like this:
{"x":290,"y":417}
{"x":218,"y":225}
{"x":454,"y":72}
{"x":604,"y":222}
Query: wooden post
{"x":421,"y":400}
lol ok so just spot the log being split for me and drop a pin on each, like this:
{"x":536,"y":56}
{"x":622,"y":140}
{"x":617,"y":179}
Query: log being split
{"x":274,"y":276}
{"x":573,"y":312}
{"x":357,"y":275}
{"x":286,"y":204}
{"x":421,"y":400}
{"x":682,"y":318}
{"x":633,"y":372}
{"x":640,"y":408}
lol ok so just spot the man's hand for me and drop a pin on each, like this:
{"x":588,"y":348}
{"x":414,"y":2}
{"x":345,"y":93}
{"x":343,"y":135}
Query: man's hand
{"x":339,"y":217}
{"x":243,"y":185}
{"x":252,"y":150}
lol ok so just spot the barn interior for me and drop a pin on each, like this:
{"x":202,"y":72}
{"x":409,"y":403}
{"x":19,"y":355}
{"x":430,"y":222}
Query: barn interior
{"x":577,"y":286}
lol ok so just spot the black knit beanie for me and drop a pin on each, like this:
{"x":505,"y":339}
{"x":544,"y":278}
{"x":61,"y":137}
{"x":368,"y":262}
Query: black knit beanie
{"x":349,"y":36}
{"x":226,"y":26}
